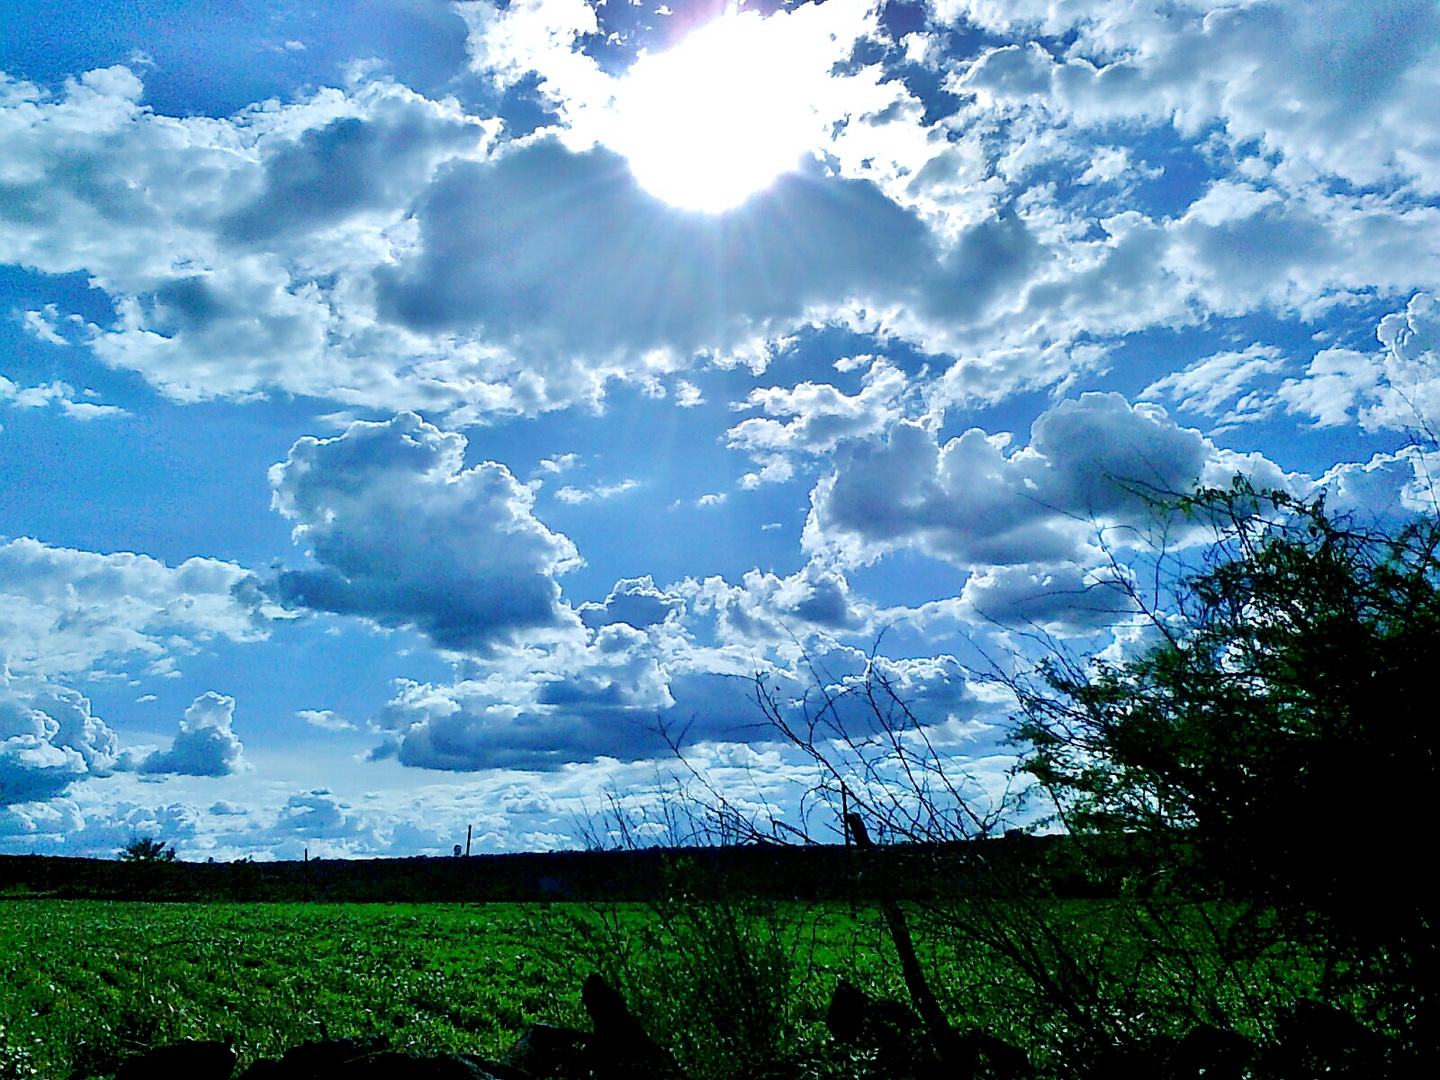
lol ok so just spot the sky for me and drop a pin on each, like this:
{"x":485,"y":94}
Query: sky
{"x":420,"y":416}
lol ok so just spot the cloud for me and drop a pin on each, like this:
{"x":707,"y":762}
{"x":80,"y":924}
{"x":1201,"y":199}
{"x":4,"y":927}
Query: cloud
{"x":633,"y":601}
{"x":388,"y":251}
{"x":1364,"y":73}
{"x":1397,"y":389}
{"x":1090,"y":461}
{"x":325,"y":719}
{"x":564,"y":255}
{"x":1062,"y":599}
{"x":49,"y":739}
{"x":575,"y":496}
{"x":1217,"y":385}
{"x":1402,"y":483}
{"x":767,"y":608}
{"x":205,"y":746}
{"x":237,"y":251}
{"x":59,"y":393}
{"x":630,"y":693}
{"x":822,"y":417}
{"x":317,"y":814}
{"x":405,"y":535}
{"x":64,"y":611}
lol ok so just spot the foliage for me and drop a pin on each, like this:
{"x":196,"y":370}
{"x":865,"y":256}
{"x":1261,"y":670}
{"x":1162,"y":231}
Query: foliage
{"x":1275,"y":744}
{"x":85,"y":983}
{"x":1240,"y":791}
{"x":1277,"y":740}
{"x":147,"y":849}
{"x":717,"y":975}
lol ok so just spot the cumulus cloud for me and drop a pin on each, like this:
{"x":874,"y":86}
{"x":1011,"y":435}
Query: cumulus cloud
{"x":574,"y":496}
{"x":1063,"y":599}
{"x":386,"y":250}
{"x":405,"y":535}
{"x":317,"y":813}
{"x":236,"y":252}
{"x":822,"y":417}
{"x":1025,"y":518}
{"x":325,"y":719}
{"x":1365,"y":74}
{"x":1397,"y":389}
{"x":205,"y":746}
{"x":564,"y":254}
{"x":768,"y":608}
{"x":64,"y":611}
{"x":49,"y":739}
{"x":630,"y":693}
{"x":633,"y":601}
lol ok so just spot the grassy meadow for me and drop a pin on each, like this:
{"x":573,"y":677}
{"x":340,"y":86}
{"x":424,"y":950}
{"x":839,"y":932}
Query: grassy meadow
{"x":84,"y":983}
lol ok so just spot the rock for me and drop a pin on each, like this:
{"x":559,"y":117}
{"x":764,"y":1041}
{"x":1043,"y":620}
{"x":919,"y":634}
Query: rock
{"x":620,"y":1048}
{"x":887,"y":1030}
{"x":545,"y":1051}
{"x":1320,"y":1039}
{"x":314,"y":1060}
{"x":498,"y":1069}
{"x":192,"y":1059}
{"x":1210,"y":1053}
{"x":980,"y":1054}
{"x":392,"y":1065}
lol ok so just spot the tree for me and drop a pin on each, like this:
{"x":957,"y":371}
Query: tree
{"x":1277,"y":741}
{"x":1247,"y":783}
{"x":1275,"y":746}
{"x":147,"y":849}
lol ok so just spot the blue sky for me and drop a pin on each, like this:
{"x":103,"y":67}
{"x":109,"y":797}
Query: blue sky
{"x":409,"y":409}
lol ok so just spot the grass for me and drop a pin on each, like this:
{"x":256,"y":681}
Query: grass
{"x":85,"y":983}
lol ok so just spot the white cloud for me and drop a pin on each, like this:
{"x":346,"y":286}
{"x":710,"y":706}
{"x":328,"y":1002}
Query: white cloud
{"x":48,"y":740}
{"x":1331,"y":86}
{"x":634,"y":601}
{"x":404,"y":534}
{"x":628,"y":693}
{"x":823,"y":417}
{"x":1397,"y":390}
{"x":1060,"y":599}
{"x":767,"y":609}
{"x":575,"y":496}
{"x":205,"y":746}
{"x":325,"y":719}
{"x":1090,"y":461}
{"x":559,"y":463}
{"x":58,"y":393}
{"x":72,"y":612}
{"x":1402,"y":483}
{"x":1217,"y":385}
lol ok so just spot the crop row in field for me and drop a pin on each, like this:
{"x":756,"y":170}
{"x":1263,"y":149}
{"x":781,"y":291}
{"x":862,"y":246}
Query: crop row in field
{"x":84,"y":983}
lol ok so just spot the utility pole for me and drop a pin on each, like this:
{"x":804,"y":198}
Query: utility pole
{"x":467,"y":840}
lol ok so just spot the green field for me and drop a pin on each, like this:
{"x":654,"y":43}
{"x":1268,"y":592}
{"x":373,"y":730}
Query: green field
{"x":84,"y":983}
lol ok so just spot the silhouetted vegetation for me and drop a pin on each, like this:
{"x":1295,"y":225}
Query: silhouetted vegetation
{"x":147,"y":849}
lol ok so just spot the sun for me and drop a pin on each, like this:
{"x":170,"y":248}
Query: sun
{"x":717,"y":118}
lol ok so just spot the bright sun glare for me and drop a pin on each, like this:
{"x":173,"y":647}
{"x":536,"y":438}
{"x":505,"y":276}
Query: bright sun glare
{"x":717,"y":118}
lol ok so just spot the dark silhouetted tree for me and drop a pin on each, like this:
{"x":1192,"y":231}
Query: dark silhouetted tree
{"x":147,"y":849}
